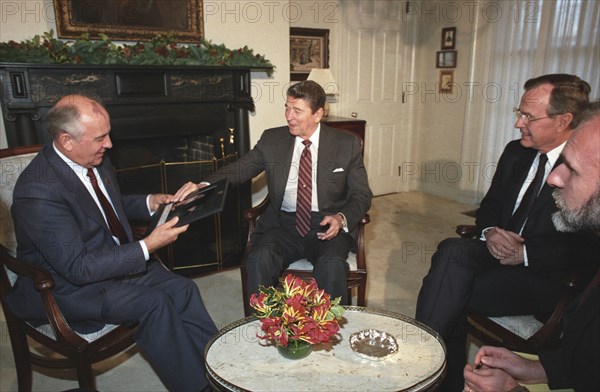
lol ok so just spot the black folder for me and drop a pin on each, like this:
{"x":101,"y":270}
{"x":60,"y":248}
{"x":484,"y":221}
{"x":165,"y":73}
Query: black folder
{"x":197,"y":205}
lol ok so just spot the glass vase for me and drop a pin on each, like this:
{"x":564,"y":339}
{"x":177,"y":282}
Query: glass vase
{"x":295,"y":349}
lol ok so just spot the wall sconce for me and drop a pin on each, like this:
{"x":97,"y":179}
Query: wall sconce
{"x":324,"y":78}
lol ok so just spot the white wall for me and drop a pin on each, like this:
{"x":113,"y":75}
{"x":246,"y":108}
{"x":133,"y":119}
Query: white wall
{"x":439,"y":117}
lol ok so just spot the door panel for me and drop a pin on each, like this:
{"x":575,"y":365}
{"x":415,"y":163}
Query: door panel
{"x":372,"y":83}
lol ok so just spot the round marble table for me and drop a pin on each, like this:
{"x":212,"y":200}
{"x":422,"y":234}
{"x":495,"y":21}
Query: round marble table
{"x":236,"y":360}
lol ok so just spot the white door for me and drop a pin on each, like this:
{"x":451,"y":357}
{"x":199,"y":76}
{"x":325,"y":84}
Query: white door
{"x":377,"y":43}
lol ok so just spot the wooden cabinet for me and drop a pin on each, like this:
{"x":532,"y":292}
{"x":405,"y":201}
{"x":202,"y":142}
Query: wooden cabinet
{"x":349,"y":124}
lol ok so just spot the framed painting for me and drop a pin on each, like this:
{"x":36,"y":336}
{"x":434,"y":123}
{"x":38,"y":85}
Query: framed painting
{"x":130,"y":20}
{"x":448,"y":38}
{"x":309,"y":48}
{"x":446,"y":59}
{"x":446,"y":82}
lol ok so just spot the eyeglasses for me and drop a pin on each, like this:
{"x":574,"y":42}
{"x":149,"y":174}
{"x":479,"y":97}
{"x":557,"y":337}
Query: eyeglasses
{"x":526,"y":117}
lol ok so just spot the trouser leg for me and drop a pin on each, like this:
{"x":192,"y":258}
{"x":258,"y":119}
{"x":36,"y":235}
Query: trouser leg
{"x":174,"y":325}
{"x":330,"y":266}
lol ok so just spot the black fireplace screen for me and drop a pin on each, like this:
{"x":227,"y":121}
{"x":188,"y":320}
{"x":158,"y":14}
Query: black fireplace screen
{"x":212,"y":243}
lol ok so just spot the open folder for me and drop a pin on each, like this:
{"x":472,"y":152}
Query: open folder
{"x":197,"y":205}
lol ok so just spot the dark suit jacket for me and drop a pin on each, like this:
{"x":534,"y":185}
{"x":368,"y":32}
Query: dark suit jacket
{"x":60,"y":228}
{"x":548,"y":250}
{"x":577,"y":364}
{"x":342,"y":184}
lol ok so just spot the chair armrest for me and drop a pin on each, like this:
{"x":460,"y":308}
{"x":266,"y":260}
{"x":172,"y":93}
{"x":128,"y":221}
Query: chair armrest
{"x":361,"y":261}
{"x":251,"y":214}
{"x":466,"y":231}
{"x":40,"y":277}
{"x":44,"y":284}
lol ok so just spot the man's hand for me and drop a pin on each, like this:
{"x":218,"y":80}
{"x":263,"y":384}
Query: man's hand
{"x":504,"y":245}
{"x":159,"y":198}
{"x":335,"y":224}
{"x":522,"y":370}
{"x":186,"y":189}
{"x":487,"y":380}
{"x":164,"y":235}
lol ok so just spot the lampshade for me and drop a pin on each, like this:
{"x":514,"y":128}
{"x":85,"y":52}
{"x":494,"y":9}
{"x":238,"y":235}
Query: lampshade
{"x":324,"y":78}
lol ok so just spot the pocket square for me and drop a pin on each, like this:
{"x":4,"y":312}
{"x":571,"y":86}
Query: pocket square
{"x":339,"y":170}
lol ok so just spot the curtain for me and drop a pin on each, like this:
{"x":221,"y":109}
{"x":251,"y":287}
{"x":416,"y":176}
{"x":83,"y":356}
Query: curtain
{"x":531,"y":39}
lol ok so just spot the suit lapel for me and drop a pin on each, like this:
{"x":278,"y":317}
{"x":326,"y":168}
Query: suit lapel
{"x":521,"y":169}
{"x":74,"y":186}
{"x":327,"y":147}
{"x":283,"y":151}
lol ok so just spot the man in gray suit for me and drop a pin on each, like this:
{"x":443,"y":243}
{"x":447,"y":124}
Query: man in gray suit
{"x":71,"y":219}
{"x":339,"y":196}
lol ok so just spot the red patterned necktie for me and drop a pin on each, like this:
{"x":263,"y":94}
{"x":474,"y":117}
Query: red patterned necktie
{"x":304,"y":193}
{"x":114,"y":223}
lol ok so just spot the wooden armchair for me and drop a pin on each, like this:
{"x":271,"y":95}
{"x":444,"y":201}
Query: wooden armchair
{"x":78,"y":350}
{"x":357,"y":276}
{"x":523,"y":333}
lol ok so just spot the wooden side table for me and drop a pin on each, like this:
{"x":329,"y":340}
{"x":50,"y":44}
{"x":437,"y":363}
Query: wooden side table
{"x":236,"y":360}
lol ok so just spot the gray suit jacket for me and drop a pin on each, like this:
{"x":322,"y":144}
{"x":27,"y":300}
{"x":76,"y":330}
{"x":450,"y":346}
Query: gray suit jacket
{"x":342,"y":184}
{"x":60,"y":228}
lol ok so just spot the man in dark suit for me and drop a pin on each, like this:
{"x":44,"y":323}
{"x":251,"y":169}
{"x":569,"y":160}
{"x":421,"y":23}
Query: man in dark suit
{"x":576,"y":364}
{"x":516,"y":265}
{"x":339,"y":194}
{"x":71,"y":219}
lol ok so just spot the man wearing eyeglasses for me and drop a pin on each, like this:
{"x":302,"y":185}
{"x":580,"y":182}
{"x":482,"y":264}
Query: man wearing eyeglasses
{"x":516,"y":265}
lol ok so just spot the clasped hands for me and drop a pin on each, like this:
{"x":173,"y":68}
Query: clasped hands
{"x":500,"y":369}
{"x":504,"y":245}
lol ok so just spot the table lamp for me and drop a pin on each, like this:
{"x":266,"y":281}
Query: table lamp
{"x":324,"y":78}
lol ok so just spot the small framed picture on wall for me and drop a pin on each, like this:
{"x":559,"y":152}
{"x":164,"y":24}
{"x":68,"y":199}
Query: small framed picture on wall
{"x":446,"y":59}
{"x":448,"y":38}
{"x":446,"y":82}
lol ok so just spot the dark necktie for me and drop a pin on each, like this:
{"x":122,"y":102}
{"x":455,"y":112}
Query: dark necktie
{"x":520,"y":216}
{"x":304,"y":192}
{"x":114,"y":223}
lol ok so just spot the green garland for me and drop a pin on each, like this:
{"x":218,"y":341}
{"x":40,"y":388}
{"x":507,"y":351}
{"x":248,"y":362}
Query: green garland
{"x":161,"y":50}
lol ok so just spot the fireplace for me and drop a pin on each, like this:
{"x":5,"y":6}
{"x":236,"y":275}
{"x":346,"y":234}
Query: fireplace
{"x":169,"y":125}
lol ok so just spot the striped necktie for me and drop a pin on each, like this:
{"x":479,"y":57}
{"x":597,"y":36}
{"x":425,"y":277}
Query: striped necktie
{"x":304,"y":193}
{"x":114,"y":223}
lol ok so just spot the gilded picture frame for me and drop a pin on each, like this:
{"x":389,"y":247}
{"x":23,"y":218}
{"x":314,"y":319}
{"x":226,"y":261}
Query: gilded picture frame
{"x":309,"y":48}
{"x":130,"y":20}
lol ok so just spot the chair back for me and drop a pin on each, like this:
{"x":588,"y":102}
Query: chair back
{"x":12,"y":163}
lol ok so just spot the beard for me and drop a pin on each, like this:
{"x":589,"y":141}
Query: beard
{"x":583,"y":219}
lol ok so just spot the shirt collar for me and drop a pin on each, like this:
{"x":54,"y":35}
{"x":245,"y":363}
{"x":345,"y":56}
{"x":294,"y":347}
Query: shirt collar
{"x":314,"y":138}
{"x":554,"y":154}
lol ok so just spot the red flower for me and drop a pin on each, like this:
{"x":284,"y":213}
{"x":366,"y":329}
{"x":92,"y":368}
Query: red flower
{"x":299,"y":311}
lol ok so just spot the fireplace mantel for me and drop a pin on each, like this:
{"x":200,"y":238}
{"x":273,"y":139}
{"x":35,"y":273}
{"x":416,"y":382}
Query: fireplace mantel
{"x":143,"y":101}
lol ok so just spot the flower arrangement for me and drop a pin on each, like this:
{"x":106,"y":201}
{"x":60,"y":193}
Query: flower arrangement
{"x":161,"y":50}
{"x":300,"y":311}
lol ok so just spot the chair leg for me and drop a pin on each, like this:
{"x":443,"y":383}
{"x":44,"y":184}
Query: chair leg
{"x":245,"y":299}
{"x":85,"y":376}
{"x":361,"y":295}
{"x":20,"y":348}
